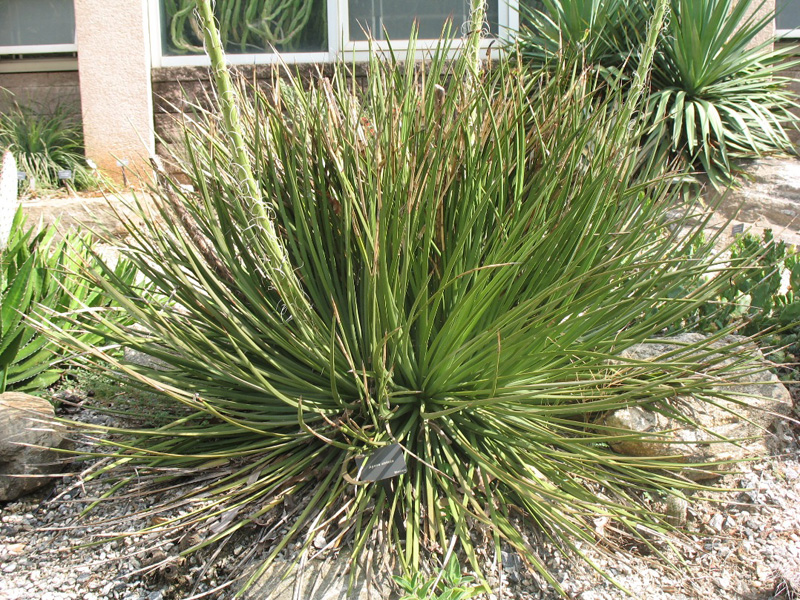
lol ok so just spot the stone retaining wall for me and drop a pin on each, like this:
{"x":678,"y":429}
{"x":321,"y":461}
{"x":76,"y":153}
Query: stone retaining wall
{"x":177,"y":89}
{"x":42,"y":91}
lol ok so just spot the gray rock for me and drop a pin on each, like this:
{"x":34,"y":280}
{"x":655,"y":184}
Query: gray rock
{"x":772,"y":193}
{"x":135,"y":357}
{"x":327,"y":579}
{"x":28,"y":432}
{"x":764,"y":398}
{"x":716,"y":522}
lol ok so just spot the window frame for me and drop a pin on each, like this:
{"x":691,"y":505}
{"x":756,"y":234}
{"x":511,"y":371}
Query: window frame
{"x":39,"y":49}
{"x":339,"y":44}
{"x":508,"y":17}
{"x":786,"y":34}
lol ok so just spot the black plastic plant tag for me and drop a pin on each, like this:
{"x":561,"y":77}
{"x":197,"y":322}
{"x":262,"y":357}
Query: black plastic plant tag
{"x":737,"y":229}
{"x":384,"y":463}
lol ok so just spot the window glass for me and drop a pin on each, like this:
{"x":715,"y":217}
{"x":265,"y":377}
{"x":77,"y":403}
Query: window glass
{"x":788,"y":14}
{"x":36,"y":22}
{"x":248,"y":26}
{"x":390,"y":18}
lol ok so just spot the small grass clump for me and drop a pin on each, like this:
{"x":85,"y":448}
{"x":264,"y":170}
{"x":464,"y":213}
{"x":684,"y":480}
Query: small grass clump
{"x":45,"y":144}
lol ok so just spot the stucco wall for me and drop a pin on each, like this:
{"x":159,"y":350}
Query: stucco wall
{"x":761,"y":11}
{"x":116,"y":98}
{"x":793,"y":73}
{"x":41,"y":91}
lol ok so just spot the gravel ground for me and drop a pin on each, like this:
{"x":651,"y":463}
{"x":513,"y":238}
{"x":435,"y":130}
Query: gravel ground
{"x":743,"y":543}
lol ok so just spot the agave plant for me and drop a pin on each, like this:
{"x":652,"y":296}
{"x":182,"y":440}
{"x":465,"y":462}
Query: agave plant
{"x":437,"y":265}
{"x":716,"y":95}
{"x":37,"y":280}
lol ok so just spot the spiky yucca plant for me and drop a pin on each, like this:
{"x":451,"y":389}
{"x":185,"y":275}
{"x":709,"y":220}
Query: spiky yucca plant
{"x":606,"y":34}
{"x":445,"y":263}
{"x":716,"y":94}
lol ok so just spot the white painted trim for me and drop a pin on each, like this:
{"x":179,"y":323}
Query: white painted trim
{"x":38,"y":65}
{"x":154,"y":21}
{"x":509,"y":24}
{"x":201,"y":60}
{"x":400,"y":47}
{"x":39,"y":49}
{"x":787,"y":33}
{"x":335,"y":32}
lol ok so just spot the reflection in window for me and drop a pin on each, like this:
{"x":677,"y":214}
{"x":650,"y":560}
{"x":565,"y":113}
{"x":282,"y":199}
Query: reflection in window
{"x":787,"y":14}
{"x":382,"y":19}
{"x":248,"y":26}
{"x":36,"y":23}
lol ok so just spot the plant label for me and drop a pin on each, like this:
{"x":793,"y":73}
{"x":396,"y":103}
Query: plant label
{"x":65,"y":174}
{"x":21,"y":176}
{"x":737,"y":229}
{"x":384,"y":463}
{"x":124,"y":162}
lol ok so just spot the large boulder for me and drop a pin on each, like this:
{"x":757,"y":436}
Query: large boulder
{"x":28,"y":436}
{"x":768,"y":198}
{"x":764,"y":400}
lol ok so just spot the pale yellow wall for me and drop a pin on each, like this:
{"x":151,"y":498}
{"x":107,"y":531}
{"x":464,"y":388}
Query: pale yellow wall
{"x":116,"y":97}
{"x":768,"y":33}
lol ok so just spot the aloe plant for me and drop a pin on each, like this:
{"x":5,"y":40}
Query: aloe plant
{"x":37,"y":281}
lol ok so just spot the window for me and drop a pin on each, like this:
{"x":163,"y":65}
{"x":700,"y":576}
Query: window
{"x":387,"y":18}
{"x":787,"y":18}
{"x":37,"y":26}
{"x":310,"y":31}
{"x":247,"y":27}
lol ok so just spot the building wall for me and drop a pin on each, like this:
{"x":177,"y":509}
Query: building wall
{"x":116,"y":99}
{"x":176,"y":90}
{"x":763,"y":10}
{"x":41,"y":92}
{"x":122,"y":100}
{"x":793,"y":74}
